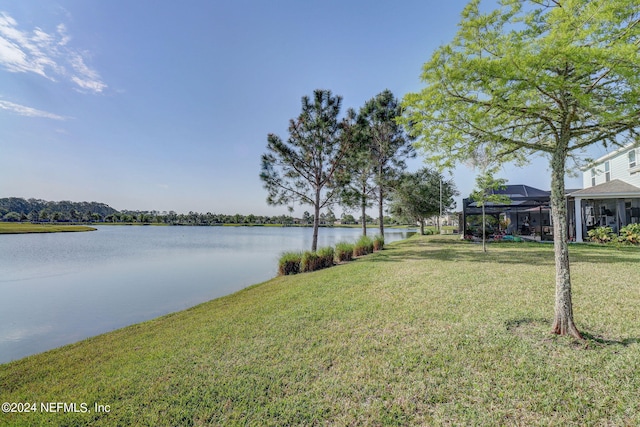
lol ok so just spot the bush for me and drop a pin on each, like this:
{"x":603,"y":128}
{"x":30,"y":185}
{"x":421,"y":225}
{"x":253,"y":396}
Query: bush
{"x":289,"y":263}
{"x":378,"y":243}
{"x":326,"y":256}
{"x":344,"y":251}
{"x":601,"y":234}
{"x":630,"y":234}
{"x":363,"y":246}
{"x":312,"y":261}
{"x":309,"y":262}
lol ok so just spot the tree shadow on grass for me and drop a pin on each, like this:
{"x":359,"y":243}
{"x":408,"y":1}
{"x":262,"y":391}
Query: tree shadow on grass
{"x":530,"y":254}
{"x":607,"y":342}
{"x":599,"y":258}
{"x":529,"y":327}
{"x":443,"y":250}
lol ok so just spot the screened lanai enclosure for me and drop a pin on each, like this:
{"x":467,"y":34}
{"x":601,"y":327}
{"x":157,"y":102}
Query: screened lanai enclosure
{"x":528,"y":215}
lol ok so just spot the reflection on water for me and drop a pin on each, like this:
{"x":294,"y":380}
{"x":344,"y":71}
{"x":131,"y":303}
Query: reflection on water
{"x":60,"y":288}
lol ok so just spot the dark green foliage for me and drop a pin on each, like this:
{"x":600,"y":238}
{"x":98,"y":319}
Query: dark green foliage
{"x":65,"y":209}
{"x":417,"y":196}
{"x":344,"y":251}
{"x":12,"y":217}
{"x":387,"y":144}
{"x":289,"y":263}
{"x":363,"y":246}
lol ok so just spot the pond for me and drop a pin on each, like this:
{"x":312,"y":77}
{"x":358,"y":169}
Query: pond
{"x":60,"y":288}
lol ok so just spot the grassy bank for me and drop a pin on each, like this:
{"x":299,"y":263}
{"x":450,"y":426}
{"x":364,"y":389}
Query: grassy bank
{"x":27,"y":227}
{"x":429,"y":331}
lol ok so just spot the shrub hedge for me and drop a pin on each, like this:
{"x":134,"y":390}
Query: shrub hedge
{"x":302,"y":262}
{"x":378,"y":243}
{"x":363,"y":246}
{"x":289,"y":263}
{"x":344,"y":251}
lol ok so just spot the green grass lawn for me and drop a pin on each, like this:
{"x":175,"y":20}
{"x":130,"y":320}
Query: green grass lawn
{"x":430,"y":331}
{"x":27,"y":227}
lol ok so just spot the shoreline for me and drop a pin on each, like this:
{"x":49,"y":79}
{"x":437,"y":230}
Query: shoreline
{"x":31,"y":228}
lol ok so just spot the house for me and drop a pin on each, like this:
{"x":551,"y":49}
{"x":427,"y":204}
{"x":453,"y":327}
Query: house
{"x":610,"y":196}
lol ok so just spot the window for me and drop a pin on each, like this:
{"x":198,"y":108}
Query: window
{"x":632,"y":159}
{"x":607,"y":172}
{"x":593,"y":177}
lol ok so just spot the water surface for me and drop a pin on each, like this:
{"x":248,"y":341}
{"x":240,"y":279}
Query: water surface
{"x":60,"y":288}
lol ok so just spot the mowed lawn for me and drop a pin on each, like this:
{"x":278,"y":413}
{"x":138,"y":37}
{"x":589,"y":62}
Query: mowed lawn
{"x":27,"y":227}
{"x":430,"y":331}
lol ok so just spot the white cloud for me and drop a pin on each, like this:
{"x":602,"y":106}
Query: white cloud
{"x":46,"y":54}
{"x":84,"y":76}
{"x":28,"y":111}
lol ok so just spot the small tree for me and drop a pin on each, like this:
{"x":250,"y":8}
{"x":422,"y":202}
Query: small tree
{"x":486,"y":187}
{"x":330,"y":217}
{"x":417,"y":195}
{"x":306,"y":168}
{"x":12,"y":217}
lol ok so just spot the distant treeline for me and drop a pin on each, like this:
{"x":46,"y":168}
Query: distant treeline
{"x":36,"y":210}
{"x":19,"y":209}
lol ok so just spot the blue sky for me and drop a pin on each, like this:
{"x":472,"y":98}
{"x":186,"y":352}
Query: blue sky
{"x":161,"y":105}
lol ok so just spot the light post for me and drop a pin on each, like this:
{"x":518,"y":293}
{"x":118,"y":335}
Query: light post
{"x":440,"y":217}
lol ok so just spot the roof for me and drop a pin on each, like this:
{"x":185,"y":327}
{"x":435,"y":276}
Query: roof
{"x":612,"y":188}
{"x":522,"y":191}
{"x":522,"y":196}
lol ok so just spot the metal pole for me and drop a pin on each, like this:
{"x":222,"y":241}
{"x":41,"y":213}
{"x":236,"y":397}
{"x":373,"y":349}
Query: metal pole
{"x":440,"y":217}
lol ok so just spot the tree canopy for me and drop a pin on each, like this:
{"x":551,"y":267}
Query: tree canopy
{"x":386,"y":143}
{"x":536,"y":76}
{"x":422,"y":194}
{"x":307,"y":168}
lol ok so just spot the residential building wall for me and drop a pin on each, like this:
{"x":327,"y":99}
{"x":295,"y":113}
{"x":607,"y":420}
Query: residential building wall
{"x":616,"y":165}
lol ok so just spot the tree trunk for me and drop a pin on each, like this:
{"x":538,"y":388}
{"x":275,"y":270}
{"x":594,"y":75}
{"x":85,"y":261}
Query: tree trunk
{"x":316,"y":221}
{"x":364,"y":214}
{"x":421,"y":226}
{"x":484,"y":230}
{"x":380,"y":211}
{"x":563,"y":320}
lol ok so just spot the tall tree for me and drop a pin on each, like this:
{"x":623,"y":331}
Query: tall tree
{"x":360,"y":190}
{"x":387,"y":144}
{"x":305,"y":168}
{"x":422,"y":194}
{"x":550,"y":77}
